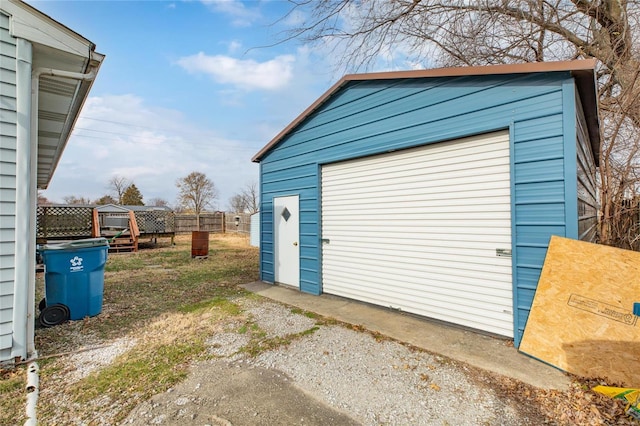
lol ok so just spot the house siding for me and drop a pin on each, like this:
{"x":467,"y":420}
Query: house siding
{"x":373,"y":117}
{"x":7,"y":183}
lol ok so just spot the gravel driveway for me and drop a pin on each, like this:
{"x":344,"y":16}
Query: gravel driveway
{"x":329,"y":374}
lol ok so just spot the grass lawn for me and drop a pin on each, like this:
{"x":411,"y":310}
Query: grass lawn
{"x":158,"y":299}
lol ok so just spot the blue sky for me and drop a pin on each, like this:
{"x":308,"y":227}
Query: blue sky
{"x":185,"y":87}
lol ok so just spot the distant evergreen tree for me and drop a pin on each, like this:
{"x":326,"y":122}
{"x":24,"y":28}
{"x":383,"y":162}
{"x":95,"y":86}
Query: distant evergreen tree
{"x":132,"y":196}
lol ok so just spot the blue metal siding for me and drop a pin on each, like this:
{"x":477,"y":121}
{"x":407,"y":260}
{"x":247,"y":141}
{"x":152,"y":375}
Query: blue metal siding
{"x":373,"y":117}
{"x":586,"y":182}
{"x":570,"y":159}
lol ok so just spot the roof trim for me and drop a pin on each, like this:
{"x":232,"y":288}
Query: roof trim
{"x":56,"y":46}
{"x":583,"y":71}
{"x":30,"y":24}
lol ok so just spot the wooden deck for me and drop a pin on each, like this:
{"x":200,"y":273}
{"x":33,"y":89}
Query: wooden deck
{"x":123,"y":230}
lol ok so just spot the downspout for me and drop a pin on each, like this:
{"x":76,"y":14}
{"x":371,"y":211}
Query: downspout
{"x":23,"y":269}
{"x":35,"y":92}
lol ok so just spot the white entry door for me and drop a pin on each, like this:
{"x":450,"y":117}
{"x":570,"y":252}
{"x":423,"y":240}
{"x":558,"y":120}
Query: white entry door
{"x":286,"y":224}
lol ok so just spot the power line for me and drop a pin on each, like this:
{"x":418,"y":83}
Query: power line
{"x":122,"y":123}
{"x":144,"y":127}
{"x":168,"y":142}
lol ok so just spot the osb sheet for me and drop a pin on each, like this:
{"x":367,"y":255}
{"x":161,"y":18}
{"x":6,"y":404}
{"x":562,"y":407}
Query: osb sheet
{"x":582,"y":317}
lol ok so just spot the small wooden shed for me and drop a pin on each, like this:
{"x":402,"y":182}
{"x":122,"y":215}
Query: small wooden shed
{"x":434,"y":192}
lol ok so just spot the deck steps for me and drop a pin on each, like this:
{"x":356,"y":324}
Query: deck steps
{"x":122,"y":244}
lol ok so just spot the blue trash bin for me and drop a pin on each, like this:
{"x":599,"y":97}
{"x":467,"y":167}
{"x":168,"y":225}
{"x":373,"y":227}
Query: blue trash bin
{"x":74,"y":276}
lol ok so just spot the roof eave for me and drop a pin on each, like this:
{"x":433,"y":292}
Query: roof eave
{"x":77,"y":102}
{"x":57,"y":47}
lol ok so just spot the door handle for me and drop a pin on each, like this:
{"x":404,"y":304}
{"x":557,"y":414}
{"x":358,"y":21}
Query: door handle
{"x":295,"y":244}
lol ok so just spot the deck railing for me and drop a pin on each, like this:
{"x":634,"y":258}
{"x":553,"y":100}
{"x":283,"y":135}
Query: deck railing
{"x":58,"y":222}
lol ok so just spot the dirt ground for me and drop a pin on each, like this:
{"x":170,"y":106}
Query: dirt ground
{"x":331,"y":374}
{"x":218,"y":393}
{"x":269,"y":363}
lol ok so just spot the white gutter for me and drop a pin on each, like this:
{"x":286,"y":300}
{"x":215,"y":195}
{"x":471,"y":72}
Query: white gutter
{"x":63,"y":74}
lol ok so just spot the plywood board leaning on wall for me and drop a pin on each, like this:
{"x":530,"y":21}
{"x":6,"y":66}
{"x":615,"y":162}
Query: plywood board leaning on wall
{"x":582,"y":320}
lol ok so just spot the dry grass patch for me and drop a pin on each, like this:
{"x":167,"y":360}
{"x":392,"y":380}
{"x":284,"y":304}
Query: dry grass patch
{"x":160,"y":359}
{"x":161,"y":299}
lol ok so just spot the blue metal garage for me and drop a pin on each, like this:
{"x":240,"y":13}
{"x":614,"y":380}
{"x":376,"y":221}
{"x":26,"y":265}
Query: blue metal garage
{"x":434,"y":192}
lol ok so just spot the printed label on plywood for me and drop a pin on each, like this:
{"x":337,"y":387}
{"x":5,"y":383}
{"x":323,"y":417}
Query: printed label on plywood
{"x":603,"y":309}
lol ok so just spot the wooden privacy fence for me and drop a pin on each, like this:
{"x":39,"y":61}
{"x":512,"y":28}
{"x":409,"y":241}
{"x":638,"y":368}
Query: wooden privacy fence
{"x":238,"y":222}
{"x":211,"y":222}
{"x":216,"y":222}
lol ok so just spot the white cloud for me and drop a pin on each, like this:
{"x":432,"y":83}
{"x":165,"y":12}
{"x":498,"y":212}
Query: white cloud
{"x":242,"y":16}
{"x":151,"y":147}
{"x":234,"y":46}
{"x":245,"y":74}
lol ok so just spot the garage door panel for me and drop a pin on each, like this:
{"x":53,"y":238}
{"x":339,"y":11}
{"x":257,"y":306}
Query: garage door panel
{"x":440,"y":239}
{"x":492,"y":202}
{"x":428,"y":170}
{"x":441,"y":270}
{"x":416,"y":183}
{"x":418,"y":245}
{"x":402,"y":296}
{"x":447,"y":159}
{"x":489,"y":320}
{"x":461,"y":286}
{"x":418,"y":230}
{"x":443,"y":153}
{"x":405,"y":229}
{"x":436,"y":208}
{"x":466,"y":273}
{"x":444,"y":175}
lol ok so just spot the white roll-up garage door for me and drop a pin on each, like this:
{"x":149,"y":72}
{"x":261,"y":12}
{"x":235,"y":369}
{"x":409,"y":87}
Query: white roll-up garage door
{"x":425,"y":230}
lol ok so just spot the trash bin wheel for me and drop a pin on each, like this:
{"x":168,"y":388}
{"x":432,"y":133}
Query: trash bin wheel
{"x":42,"y":304}
{"x":54,"y":315}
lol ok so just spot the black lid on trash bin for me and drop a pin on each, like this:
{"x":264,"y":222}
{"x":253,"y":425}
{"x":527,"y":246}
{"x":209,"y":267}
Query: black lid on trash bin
{"x":85,"y":243}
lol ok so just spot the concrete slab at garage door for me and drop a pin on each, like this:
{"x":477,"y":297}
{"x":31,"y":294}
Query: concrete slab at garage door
{"x":424,"y":230}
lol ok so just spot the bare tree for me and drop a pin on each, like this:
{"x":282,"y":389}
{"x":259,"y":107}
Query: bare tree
{"x":158,"y":202}
{"x":118,"y":185}
{"x":246,"y":200}
{"x":72,"y":199}
{"x":197,"y":192}
{"x":251,"y":197}
{"x":42,"y":200}
{"x":429,"y":33}
{"x":237,"y":204}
